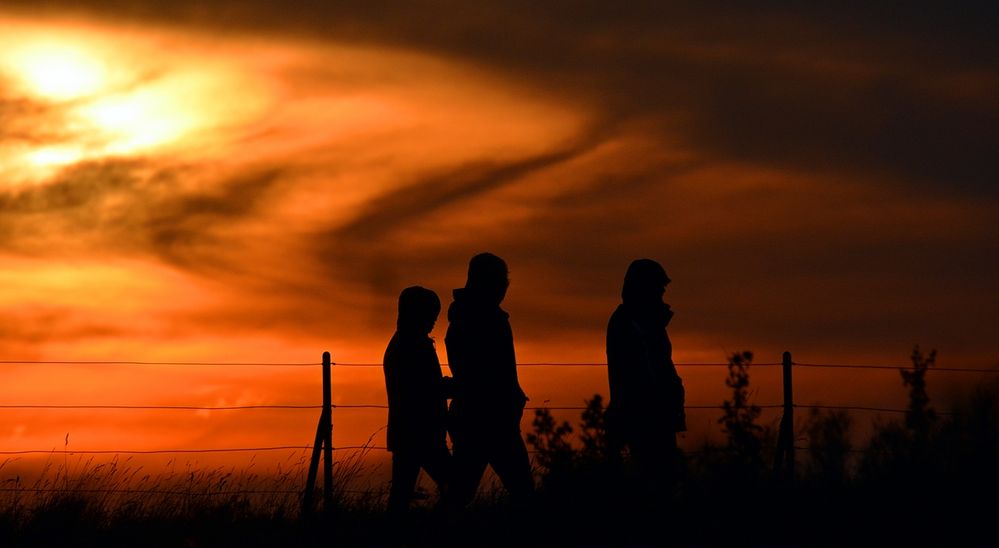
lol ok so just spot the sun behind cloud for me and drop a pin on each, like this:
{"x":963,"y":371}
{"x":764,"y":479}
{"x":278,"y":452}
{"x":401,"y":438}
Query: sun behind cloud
{"x":105,"y":100}
{"x":181,"y":191}
{"x":57,"y":70}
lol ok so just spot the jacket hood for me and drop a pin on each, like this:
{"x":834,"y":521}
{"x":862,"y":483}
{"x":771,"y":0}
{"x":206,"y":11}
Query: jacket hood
{"x":468,"y":304}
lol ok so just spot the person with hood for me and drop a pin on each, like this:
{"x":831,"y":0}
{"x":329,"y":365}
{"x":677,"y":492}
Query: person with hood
{"x":488,"y":401}
{"x":417,"y":399}
{"x":645,"y":410}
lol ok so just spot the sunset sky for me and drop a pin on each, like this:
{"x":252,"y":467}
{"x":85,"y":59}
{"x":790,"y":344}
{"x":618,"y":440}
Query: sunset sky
{"x":256,"y":182}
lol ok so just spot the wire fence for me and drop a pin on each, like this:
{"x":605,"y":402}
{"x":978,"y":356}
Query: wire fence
{"x":349,"y":406}
{"x":302,"y":407}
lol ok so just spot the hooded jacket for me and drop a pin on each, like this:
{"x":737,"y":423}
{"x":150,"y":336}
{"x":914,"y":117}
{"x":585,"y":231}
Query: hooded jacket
{"x":479,"y":343}
{"x":646,"y":392}
{"x":416,"y":393}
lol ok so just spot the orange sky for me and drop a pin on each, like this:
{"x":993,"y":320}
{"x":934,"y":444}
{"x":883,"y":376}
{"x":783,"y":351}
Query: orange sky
{"x":257,"y":185}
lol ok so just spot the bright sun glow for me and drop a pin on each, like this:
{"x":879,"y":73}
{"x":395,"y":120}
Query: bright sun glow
{"x":93,"y":97}
{"x":158,"y":113}
{"x":137,"y":121}
{"x":58,"y":72}
{"x":55,"y":156}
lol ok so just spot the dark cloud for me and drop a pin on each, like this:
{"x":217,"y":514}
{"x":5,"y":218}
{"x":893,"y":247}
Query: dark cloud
{"x":906,"y":89}
{"x":905,"y":99}
{"x":24,"y":121}
{"x":880,"y":124}
{"x":400,"y":207}
{"x":34,"y":325}
{"x":133,"y":206}
{"x":189,"y":229}
{"x":866,"y":270}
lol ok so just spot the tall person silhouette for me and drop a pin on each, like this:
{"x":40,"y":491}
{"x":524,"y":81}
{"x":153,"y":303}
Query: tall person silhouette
{"x":417,"y":396}
{"x":488,"y":401}
{"x":645,"y":410}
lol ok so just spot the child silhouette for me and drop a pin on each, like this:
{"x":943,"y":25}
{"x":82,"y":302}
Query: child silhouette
{"x":417,"y":396}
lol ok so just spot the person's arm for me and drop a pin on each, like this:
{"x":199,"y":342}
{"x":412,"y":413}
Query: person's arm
{"x":453,"y":340}
{"x":393,"y":384}
{"x":401,"y":377}
{"x":681,"y":420}
{"x":459,"y":356}
{"x":627,"y":363}
{"x":511,"y":359}
{"x":447,"y":387}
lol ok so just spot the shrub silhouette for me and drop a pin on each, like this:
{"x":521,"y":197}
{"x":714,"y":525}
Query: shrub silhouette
{"x":592,"y":430}
{"x":899,"y":453}
{"x":745,"y":438}
{"x":553,"y":450}
{"x":829,"y":447}
{"x":920,"y":416}
{"x":966,"y":444}
{"x":739,"y":419}
{"x":556,"y":457}
{"x":932,"y":465}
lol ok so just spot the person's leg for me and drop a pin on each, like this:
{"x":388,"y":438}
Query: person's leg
{"x":654,"y":456}
{"x":468,"y":465}
{"x":438,"y":463}
{"x":508,"y":457}
{"x":436,"y":459}
{"x":405,"y":471}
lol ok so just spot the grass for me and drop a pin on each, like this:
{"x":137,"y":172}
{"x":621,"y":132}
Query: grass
{"x":82,"y":502}
{"x":117,"y":504}
{"x":914,"y":483}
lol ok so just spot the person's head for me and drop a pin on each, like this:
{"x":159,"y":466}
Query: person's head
{"x":488,"y":277}
{"x":418,"y":309}
{"x":645,"y":281}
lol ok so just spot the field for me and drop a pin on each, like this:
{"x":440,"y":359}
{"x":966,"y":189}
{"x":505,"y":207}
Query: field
{"x":923,"y":480}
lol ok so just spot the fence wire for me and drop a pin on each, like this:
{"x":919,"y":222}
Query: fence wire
{"x":299,"y":407}
{"x":872,"y":366}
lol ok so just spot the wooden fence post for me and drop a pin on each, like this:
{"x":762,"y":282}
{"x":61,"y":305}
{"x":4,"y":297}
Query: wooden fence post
{"x":323,"y":445}
{"x":327,"y":434}
{"x":785,"y":437}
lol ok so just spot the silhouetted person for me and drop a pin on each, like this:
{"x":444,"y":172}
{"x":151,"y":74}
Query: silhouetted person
{"x":417,"y":396}
{"x":488,"y":402}
{"x":645,"y":410}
